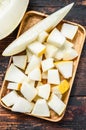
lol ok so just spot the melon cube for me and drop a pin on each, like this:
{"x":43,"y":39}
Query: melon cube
{"x":20,"y":61}
{"x":44,"y":91}
{"x":34,"y":62}
{"x":14,"y":86}
{"x":10,"y":98}
{"x":28,"y":91}
{"x":47,"y":64}
{"x":41,"y":108}
{"x":50,"y":51}
{"x":56,"y":38}
{"x":53,"y":76}
{"x":35,"y":74}
{"x":22,"y":105}
{"x":65,"y":68}
{"x":69,"y":30}
{"x":14,"y":74}
{"x":37,"y":48}
{"x":56,"y":104}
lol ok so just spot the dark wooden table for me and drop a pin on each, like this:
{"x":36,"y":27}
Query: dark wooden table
{"x":75,"y":117}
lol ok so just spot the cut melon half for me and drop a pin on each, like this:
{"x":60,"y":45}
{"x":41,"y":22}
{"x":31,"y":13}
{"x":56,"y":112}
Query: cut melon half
{"x":11,"y":13}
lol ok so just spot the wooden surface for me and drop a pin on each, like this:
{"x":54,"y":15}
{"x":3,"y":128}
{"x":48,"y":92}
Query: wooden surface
{"x":75,"y":117}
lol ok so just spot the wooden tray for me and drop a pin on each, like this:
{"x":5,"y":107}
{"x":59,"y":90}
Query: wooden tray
{"x":31,"y":18}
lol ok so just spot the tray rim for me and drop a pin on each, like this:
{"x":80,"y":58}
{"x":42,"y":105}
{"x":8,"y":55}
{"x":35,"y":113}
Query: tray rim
{"x":78,"y":58}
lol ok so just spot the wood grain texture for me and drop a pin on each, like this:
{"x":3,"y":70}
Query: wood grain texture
{"x":75,"y":117}
{"x":56,"y":2}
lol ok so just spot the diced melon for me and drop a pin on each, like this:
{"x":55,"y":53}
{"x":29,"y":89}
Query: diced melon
{"x":37,"y":48}
{"x":63,"y":86}
{"x":59,"y":54}
{"x":69,"y":30}
{"x":10,"y":98}
{"x":66,"y":52}
{"x":50,"y":51}
{"x":28,"y":91}
{"x":35,"y":74}
{"x":20,"y":61}
{"x":68,"y":44}
{"x":44,"y":91}
{"x":47,"y":64}
{"x":56,"y":38}
{"x":65,"y":68}
{"x":53,"y":76}
{"x":14,"y":74}
{"x":56,"y":91}
{"x":56,"y":104}
{"x":22,"y":105}
{"x":14,"y":86}
{"x":41,"y":108}
{"x":34,"y":62}
{"x":70,"y":54}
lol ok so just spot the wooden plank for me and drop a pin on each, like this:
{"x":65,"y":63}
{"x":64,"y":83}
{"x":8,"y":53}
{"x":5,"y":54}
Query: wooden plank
{"x":75,"y":114}
{"x":56,"y":2}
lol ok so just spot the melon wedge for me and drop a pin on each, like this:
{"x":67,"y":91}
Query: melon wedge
{"x":30,"y":35}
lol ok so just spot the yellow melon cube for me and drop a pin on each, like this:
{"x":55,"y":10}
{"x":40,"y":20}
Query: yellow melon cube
{"x":63,"y":86}
{"x":37,"y":48}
